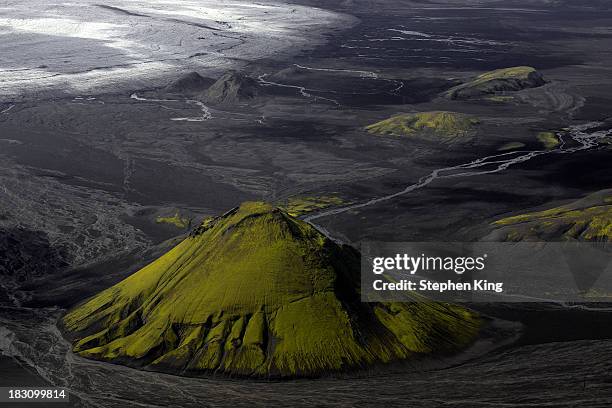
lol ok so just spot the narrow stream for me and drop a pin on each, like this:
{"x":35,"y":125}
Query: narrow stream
{"x":206,"y":114}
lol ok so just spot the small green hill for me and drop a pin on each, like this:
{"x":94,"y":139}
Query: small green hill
{"x":549,"y":140}
{"x":257,"y":292}
{"x":498,"y":82}
{"x":589,"y":219}
{"x":442,"y":126}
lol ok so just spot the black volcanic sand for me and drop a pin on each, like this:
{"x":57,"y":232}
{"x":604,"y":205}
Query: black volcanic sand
{"x":557,"y":374}
{"x":118,"y":163}
{"x":14,"y":374}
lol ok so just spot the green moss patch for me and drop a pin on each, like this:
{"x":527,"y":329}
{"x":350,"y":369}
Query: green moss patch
{"x":589,"y":219}
{"x":497,"y":83}
{"x":501,"y":98}
{"x":511,"y":146}
{"x":442,"y":126}
{"x":549,"y":140}
{"x":296,"y":206}
{"x":257,"y":292}
{"x":520,"y":72}
{"x":177,"y":220}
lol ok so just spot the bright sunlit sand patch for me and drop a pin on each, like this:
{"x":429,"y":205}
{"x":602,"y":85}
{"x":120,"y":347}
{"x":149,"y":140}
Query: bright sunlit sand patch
{"x":90,"y":45}
{"x":62,"y":27}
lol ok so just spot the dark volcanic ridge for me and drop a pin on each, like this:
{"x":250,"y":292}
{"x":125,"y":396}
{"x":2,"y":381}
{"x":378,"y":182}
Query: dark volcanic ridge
{"x":188,"y":84}
{"x":232,"y":88}
{"x":257,"y":292}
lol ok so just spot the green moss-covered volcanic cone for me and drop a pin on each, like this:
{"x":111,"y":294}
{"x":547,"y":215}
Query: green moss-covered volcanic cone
{"x":257,"y":292}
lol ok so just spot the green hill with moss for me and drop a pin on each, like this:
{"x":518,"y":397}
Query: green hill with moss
{"x":440,"y":126}
{"x":497,"y":82}
{"x":588,"y":219}
{"x":257,"y":292}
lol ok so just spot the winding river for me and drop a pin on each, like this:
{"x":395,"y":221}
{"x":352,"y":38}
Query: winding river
{"x":576,"y":138}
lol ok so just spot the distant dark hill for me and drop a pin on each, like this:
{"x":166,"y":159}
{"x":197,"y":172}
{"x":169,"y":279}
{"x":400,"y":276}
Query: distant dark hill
{"x":257,"y":292}
{"x":232,"y":88}
{"x":190,"y":83}
{"x":295,"y":75}
{"x":498,"y":82}
{"x":588,"y":219}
